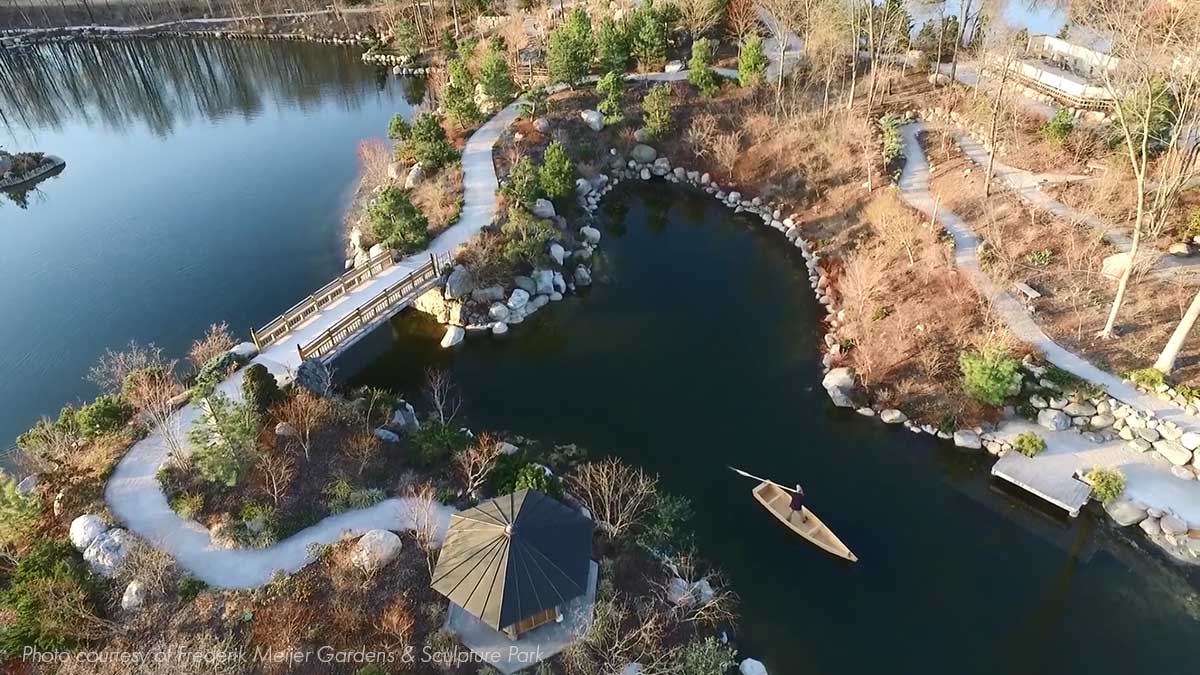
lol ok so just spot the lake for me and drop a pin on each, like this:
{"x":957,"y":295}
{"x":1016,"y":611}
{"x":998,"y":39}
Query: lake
{"x":206,"y":181}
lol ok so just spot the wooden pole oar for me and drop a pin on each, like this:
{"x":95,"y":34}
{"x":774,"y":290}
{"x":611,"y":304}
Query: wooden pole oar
{"x":759,"y":479}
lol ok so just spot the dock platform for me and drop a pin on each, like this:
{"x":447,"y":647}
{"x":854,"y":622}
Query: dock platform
{"x":1066,"y":492}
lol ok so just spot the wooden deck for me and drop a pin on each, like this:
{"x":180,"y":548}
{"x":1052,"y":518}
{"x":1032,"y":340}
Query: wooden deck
{"x":1063,"y":491}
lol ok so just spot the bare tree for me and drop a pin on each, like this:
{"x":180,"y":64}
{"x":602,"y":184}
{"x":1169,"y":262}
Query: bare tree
{"x":709,"y":600}
{"x":276,"y":471}
{"x":363,"y":447}
{"x":617,"y":494}
{"x":442,"y":394}
{"x":741,"y":18}
{"x":216,"y":341}
{"x":475,"y":464}
{"x":149,"y":383}
{"x":782,"y":22}
{"x":306,"y":413}
{"x":1152,"y":79}
{"x":698,"y":16}
{"x":1003,"y":47}
{"x":426,"y":523}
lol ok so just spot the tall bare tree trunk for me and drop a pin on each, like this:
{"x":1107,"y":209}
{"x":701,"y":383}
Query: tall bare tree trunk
{"x":1123,"y":284}
{"x":1166,"y":360}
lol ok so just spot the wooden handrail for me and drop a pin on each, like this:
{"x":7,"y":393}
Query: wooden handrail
{"x":403,"y":291}
{"x":286,"y":322}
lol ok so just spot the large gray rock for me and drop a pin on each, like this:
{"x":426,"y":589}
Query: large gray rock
{"x":1173,"y":525}
{"x":582,"y":276}
{"x":85,"y":529}
{"x":1174,"y":452}
{"x":488,"y":294}
{"x":244,"y":351}
{"x":892,"y":416}
{"x":840,"y":385}
{"x":543,"y":208}
{"x":518,"y":299}
{"x":593,"y":119}
{"x":1190,"y":440}
{"x":1125,"y":512}
{"x":1054,"y":420}
{"x":590,"y":234}
{"x":375,"y":550}
{"x":498,"y":312}
{"x":752,"y":667}
{"x":134,"y":596}
{"x":542,"y":125}
{"x":1080,"y":409}
{"x":405,"y":418}
{"x":453,"y":336}
{"x":525,"y":283}
{"x":966,"y":438}
{"x":557,"y":252}
{"x":414,"y":178}
{"x":460,"y":283}
{"x":387,"y":435}
{"x":643,"y":154}
{"x":543,"y":281}
{"x":107,"y":552}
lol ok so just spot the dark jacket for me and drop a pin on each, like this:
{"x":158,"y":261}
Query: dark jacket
{"x":798,"y":499}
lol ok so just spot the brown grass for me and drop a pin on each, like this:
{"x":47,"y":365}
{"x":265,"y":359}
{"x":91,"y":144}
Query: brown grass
{"x":440,"y":197}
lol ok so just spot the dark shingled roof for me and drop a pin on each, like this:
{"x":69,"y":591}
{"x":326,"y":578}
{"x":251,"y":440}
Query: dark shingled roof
{"x":514,"y":556}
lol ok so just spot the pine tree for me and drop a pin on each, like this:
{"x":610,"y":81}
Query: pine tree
{"x":650,"y":39}
{"x":557,"y":175}
{"x":259,"y":388}
{"x":571,"y":49}
{"x":752,"y":63}
{"x":611,"y":86}
{"x":459,"y":96}
{"x":700,"y":72}
{"x":396,"y":222}
{"x":18,"y":512}
{"x":656,"y":111}
{"x":428,"y":143}
{"x":495,"y":77}
{"x":612,"y":46}
{"x":398,"y":128}
{"x":224,"y":440}
{"x":522,"y":185}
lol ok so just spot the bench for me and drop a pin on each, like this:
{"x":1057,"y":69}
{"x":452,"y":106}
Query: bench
{"x":1028,"y":294}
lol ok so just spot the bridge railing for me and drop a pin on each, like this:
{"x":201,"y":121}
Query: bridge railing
{"x":402,"y":292}
{"x":322,"y":298}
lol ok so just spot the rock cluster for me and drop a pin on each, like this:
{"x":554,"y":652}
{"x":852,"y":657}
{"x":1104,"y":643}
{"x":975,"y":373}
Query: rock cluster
{"x":103,"y":549}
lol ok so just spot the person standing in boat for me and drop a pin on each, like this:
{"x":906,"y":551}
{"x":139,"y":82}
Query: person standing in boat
{"x":798,"y":504}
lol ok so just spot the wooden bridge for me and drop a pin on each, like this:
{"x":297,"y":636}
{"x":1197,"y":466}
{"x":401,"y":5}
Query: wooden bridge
{"x":345,"y":309}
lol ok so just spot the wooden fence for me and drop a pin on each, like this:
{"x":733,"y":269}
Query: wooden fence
{"x":305,"y":309}
{"x":397,"y":295}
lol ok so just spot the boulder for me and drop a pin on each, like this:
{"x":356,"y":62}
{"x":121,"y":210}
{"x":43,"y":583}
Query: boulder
{"x":543,"y":281}
{"x":489,"y":294}
{"x":244,"y":351}
{"x":593,"y":119}
{"x":525,"y":283}
{"x":1173,"y":524}
{"x":1038,"y":401}
{"x":28,"y":484}
{"x":1180,"y":248}
{"x":453,"y":336}
{"x":414,"y":178}
{"x":752,"y":667}
{"x":1080,"y":409}
{"x":661,"y":166}
{"x":499,"y":328}
{"x":286,"y":430}
{"x":375,"y":550}
{"x":643,"y":154}
{"x":518,"y":299}
{"x":460,"y":283}
{"x":1151,"y":526}
{"x":1190,"y":440}
{"x":1054,"y":420}
{"x":107,"y":552}
{"x":375,"y":251}
{"x":86,"y":529}
{"x":1174,"y":452}
{"x":557,"y":252}
{"x":498,"y":312}
{"x":632,"y":669}
{"x":134,"y":596}
{"x":966,"y":438}
{"x":387,"y":436}
{"x":680,"y":593}
{"x":1102,"y":421}
{"x":543,"y":208}
{"x":840,"y":385}
{"x":582,"y":276}
{"x":507,"y":448}
{"x":541,"y":125}
{"x":590,"y":234}
{"x":405,"y":418}
{"x":1125,"y":512}
{"x":892,"y":416}
{"x":640,"y":135}
{"x":395,"y":170}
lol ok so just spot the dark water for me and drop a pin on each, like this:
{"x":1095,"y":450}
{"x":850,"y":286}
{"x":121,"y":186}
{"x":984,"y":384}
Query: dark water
{"x":700,"y":350}
{"x":205,"y":182}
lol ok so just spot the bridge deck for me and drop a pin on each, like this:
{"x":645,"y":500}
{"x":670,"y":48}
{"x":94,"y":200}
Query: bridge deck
{"x":1061,"y":489}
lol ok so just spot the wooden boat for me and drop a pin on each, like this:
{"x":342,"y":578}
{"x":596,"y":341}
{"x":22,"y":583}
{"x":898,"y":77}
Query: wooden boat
{"x":779,"y":502}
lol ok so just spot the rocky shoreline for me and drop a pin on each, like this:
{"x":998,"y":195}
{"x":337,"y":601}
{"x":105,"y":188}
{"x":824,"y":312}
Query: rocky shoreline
{"x":17,"y":40}
{"x":9,"y":178}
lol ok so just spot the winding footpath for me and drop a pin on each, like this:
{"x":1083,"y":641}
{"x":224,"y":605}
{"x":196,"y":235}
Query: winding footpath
{"x":136,"y":499}
{"x":1148,"y":481}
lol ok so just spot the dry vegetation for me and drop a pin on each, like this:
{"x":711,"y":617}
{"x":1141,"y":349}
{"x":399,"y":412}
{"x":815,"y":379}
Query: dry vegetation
{"x":440,"y":198}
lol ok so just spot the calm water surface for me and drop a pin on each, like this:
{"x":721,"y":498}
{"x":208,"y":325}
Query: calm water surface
{"x":698,"y":349}
{"x":205,"y":181}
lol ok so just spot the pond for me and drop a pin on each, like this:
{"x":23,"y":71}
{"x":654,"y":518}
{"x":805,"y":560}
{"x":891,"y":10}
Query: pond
{"x":698,"y":349}
{"x":206,"y":181}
